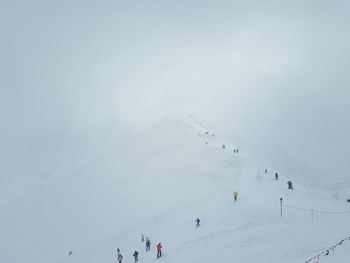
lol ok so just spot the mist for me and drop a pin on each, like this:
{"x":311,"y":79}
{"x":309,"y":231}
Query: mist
{"x":274,"y":75}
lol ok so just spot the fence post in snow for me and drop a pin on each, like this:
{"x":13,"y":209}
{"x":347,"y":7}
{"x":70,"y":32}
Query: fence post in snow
{"x":281,"y":199}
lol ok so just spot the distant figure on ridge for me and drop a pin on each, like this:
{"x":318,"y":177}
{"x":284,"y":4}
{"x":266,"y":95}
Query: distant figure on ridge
{"x":197,"y":222}
{"x":159,"y":250}
{"x":290,"y":185}
{"x":136,"y":256}
{"x":148,"y":244}
{"x":235,"y":194}
{"x":120,"y":258}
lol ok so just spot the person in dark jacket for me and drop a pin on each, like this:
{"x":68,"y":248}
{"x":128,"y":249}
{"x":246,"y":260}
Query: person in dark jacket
{"x":136,"y":256}
{"x":290,"y":185}
{"x":276,"y":176}
{"x":148,"y":244}
{"x":120,"y":258}
{"x":198,"y":222}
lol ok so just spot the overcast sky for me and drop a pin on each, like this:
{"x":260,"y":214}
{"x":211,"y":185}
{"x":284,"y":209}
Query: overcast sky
{"x":275,"y":73}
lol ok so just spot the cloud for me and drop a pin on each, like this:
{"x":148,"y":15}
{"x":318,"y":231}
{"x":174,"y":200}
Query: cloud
{"x":274,"y":71}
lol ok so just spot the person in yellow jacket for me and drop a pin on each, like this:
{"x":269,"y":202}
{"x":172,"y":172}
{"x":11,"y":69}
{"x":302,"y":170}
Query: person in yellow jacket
{"x":235,"y":194}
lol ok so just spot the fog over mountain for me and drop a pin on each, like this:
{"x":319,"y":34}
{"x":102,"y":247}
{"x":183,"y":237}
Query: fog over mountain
{"x":76,"y":75}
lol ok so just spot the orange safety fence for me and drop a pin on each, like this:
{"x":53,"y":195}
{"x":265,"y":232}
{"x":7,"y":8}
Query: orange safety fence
{"x":316,"y":259}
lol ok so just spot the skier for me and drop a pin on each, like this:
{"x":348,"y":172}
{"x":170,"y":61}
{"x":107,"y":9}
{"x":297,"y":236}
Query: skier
{"x":159,"y":250}
{"x":142,"y":237}
{"x":148,"y":244}
{"x":276,"y":176}
{"x":235,"y":194}
{"x":290,"y":185}
{"x":197,"y":222}
{"x":120,"y":258}
{"x":136,"y":256}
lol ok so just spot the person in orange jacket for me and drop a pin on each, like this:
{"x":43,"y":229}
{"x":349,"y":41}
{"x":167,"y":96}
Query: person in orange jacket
{"x":159,"y":250}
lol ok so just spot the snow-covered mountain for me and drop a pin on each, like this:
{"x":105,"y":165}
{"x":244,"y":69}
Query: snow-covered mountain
{"x":157,"y":183}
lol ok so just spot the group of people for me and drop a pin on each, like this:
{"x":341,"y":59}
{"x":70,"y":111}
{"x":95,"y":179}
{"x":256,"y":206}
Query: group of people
{"x":224,"y":147}
{"x":289,"y":183}
{"x":136,"y":253}
{"x":197,"y":221}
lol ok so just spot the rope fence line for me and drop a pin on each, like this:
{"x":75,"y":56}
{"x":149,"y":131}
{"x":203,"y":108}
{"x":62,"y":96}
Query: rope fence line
{"x":329,"y":187}
{"x":339,"y":183}
{"x":316,"y":259}
{"x":316,"y":210}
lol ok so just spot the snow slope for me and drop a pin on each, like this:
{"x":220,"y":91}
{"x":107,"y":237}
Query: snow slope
{"x":157,"y":183}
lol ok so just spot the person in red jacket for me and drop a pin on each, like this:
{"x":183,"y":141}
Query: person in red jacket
{"x":159,"y":250}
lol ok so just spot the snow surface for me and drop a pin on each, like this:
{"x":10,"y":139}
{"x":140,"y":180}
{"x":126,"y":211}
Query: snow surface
{"x":157,"y":183}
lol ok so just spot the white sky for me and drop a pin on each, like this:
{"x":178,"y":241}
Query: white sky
{"x":272,"y":72}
